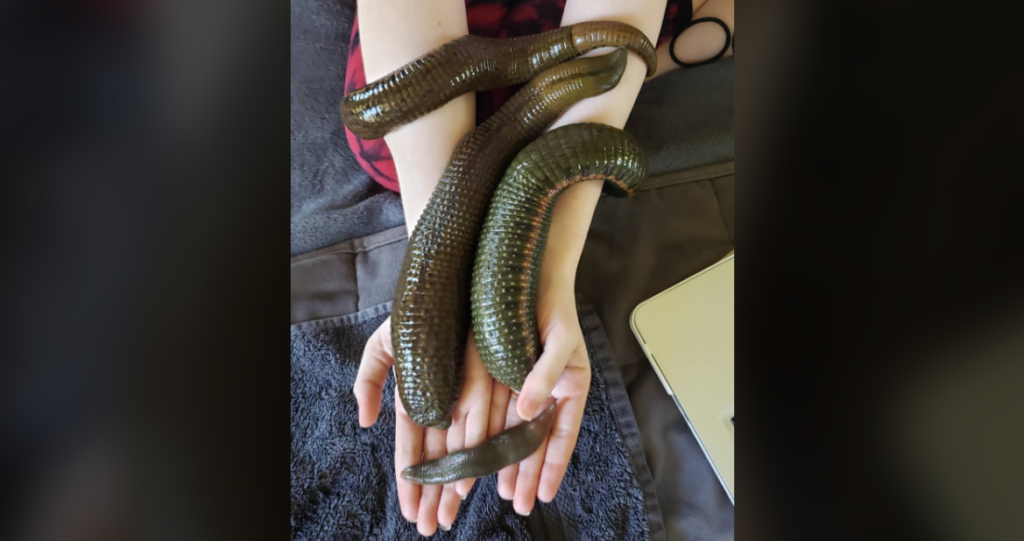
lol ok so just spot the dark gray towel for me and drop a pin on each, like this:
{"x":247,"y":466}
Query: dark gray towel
{"x":343,"y":476}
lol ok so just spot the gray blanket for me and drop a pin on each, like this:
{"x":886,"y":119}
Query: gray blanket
{"x":342,"y":475}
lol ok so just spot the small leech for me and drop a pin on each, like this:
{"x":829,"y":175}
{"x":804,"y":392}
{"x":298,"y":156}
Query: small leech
{"x":505,"y":448}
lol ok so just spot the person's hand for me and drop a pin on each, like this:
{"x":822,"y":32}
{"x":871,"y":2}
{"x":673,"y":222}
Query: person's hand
{"x":486,"y":407}
{"x":562,"y":372}
{"x":429,"y":506}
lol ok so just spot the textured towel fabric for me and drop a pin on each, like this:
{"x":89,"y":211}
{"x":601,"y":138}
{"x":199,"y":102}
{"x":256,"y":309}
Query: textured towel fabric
{"x":343,"y":483}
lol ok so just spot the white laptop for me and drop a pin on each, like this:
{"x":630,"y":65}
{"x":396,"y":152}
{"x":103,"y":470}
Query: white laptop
{"x":687,"y":333}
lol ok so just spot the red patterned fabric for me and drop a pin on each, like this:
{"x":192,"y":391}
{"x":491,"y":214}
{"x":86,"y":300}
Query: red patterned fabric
{"x":487,"y":18}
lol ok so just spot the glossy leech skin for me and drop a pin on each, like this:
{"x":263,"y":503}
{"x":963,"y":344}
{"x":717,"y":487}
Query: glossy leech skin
{"x":430,"y":317}
{"x":473,"y":63}
{"x":511,"y":247}
{"x":502,"y":449}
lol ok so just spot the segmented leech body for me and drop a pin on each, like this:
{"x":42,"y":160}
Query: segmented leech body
{"x":514,"y":234}
{"x":506,"y":447}
{"x":431,"y":313}
{"x":473,"y":63}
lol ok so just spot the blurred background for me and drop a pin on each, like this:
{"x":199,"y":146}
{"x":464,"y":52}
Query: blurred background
{"x":144,"y":145}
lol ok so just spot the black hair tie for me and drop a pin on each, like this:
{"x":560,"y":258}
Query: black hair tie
{"x":728,"y":41}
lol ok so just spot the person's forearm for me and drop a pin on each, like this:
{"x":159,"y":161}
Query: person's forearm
{"x":394,"y":33}
{"x":575,"y":208}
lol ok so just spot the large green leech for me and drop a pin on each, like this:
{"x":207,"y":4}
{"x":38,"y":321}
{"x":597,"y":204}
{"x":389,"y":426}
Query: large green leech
{"x":473,"y":63}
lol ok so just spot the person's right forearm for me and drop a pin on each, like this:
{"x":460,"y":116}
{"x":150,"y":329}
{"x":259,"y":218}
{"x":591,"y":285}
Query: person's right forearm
{"x":394,"y":33}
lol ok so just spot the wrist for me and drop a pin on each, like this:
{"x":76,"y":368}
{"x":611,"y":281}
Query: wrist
{"x":422,"y":148}
{"x":570,"y":223}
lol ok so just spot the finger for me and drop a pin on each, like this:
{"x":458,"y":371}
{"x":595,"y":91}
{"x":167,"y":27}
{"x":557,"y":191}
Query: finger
{"x":408,"y":449}
{"x":499,"y":409}
{"x":702,"y":41}
{"x":527,"y":480}
{"x":559,"y":343}
{"x":575,"y":380}
{"x":507,"y":475}
{"x":456,"y":436}
{"x":476,"y":433}
{"x":480,"y":388}
{"x":456,"y":441}
{"x":564,"y":434}
{"x":430,"y":498}
{"x":373,"y":373}
{"x":448,"y":508}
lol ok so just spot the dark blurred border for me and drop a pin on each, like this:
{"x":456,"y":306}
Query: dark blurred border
{"x":146,"y":177}
{"x":878,"y":156}
{"x":144,"y":379}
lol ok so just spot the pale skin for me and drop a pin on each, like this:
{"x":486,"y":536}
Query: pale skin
{"x":392,"y":37}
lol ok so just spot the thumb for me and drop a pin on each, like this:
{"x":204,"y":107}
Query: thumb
{"x":373,"y":373}
{"x":559,"y":344}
